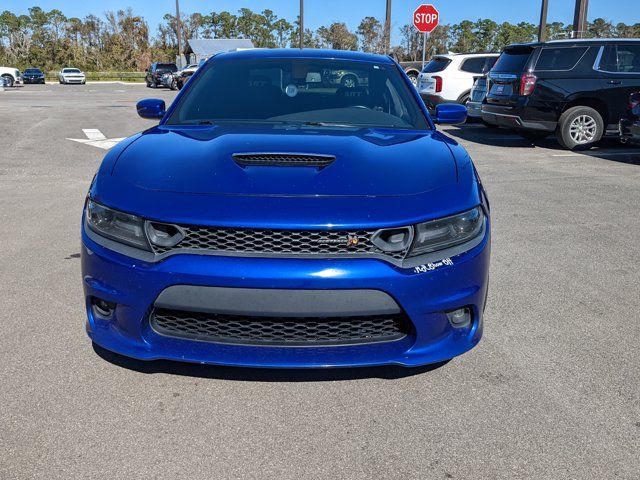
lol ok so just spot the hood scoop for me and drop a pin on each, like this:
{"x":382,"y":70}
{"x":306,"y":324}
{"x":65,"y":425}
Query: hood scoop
{"x":283,"y":160}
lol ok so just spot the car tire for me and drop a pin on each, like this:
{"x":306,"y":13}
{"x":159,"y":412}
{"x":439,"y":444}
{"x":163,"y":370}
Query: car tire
{"x":153,"y":84}
{"x":173,"y":85}
{"x":8,"y":80}
{"x":532,"y":135}
{"x":414,"y":78}
{"x":580,"y":128}
{"x":349,"y":81}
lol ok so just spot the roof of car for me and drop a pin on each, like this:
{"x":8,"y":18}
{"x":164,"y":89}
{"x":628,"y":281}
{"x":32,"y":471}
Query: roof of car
{"x":476,"y":54}
{"x":569,"y":41}
{"x":305,"y":53}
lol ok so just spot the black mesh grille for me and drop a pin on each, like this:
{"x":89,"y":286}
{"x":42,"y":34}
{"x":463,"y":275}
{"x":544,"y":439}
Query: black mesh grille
{"x":222,"y":328}
{"x":283,"y":159}
{"x":280,"y":242}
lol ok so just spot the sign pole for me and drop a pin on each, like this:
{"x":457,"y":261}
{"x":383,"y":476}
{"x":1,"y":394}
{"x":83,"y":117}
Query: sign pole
{"x":425,"y":19}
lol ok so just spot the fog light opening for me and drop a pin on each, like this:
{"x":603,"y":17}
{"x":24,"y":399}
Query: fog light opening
{"x":102,"y":308}
{"x":460,"y":318}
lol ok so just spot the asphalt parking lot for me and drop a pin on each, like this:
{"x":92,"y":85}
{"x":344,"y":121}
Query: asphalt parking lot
{"x":551,"y":392}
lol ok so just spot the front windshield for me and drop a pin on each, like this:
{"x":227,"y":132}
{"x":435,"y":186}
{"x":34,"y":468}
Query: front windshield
{"x":300,"y":91}
{"x":71,"y":70}
{"x":32,"y":70}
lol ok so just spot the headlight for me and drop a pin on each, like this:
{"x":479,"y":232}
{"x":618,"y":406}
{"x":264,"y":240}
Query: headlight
{"x":119,"y":226}
{"x":447,"y":232}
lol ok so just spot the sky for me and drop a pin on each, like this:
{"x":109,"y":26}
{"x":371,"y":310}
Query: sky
{"x":324,"y":12}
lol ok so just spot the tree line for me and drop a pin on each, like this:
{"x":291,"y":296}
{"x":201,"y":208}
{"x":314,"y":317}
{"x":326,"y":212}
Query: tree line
{"x":122,"y":41}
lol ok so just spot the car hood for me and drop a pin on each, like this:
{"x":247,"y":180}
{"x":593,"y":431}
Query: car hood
{"x":368,"y":162}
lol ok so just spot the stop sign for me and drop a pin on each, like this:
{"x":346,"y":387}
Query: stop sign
{"x":426,"y":18}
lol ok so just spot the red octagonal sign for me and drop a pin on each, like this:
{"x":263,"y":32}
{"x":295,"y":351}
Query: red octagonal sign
{"x":426,"y":18}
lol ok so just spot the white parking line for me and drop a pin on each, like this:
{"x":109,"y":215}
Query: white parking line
{"x":93,"y":134}
{"x":96,"y":138}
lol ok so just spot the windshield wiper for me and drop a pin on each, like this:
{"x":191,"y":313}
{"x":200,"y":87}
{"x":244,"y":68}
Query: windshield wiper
{"x":330,"y":124}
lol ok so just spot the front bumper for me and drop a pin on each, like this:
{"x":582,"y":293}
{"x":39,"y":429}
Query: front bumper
{"x":79,"y":80}
{"x":33,"y":80}
{"x":424,"y":294}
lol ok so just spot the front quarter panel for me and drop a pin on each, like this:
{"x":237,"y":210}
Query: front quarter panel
{"x":110,"y":159}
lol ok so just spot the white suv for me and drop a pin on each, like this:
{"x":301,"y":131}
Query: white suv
{"x":11,"y":76}
{"x":449,"y":78}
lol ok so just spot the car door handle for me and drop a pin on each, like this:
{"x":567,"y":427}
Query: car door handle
{"x":614,"y":82}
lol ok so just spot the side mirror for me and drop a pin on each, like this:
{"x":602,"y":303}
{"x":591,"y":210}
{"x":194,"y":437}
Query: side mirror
{"x":152,"y":108}
{"x":450,"y":114}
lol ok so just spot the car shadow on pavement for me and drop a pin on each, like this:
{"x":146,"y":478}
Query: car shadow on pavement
{"x":215,"y":372}
{"x":498,"y":137}
{"x":610,"y":149}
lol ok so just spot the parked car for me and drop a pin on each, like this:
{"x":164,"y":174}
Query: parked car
{"x":155,"y":72}
{"x":177,"y":80}
{"x":449,"y":78}
{"x":11,"y":76}
{"x":630,"y":121}
{"x":412,"y":69}
{"x":169,"y":80}
{"x":478,"y":94}
{"x":344,"y":78}
{"x":33,"y":75}
{"x":576,"y":89}
{"x":185,"y":74}
{"x":71,"y":75}
{"x":264,"y":223}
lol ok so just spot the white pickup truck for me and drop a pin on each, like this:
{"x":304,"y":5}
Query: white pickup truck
{"x":11,"y":76}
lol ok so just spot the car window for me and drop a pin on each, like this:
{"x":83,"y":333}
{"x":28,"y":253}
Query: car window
{"x":473,"y":65}
{"x":512,"y":60}
{"x":436,"y":64}
{"x":70,"y":70}
{"x":169,"y":67}
{"x":621,"y":59}
{"x":300,"y":91}
{"x":489,"y":63}
{"x":559,"y":58}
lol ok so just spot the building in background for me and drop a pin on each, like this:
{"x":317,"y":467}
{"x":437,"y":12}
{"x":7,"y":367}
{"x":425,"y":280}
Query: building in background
{"x":202,"y":48}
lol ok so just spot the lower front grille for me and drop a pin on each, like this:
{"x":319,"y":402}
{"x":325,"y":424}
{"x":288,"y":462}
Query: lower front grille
{"x":287,"y":331}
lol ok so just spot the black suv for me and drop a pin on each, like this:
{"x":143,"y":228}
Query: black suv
{"x":575,"y":88}
{"x":156,"y":71}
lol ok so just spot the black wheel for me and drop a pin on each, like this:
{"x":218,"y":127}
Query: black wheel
{"x":532,"y":134}
{"x":153,"y":84}
{"x":8,"y":80}
{"x":349,"y":81}
{"x":579,"y":128}
{"x":413,"y":76}
{"x":489,"y":125}
{"x":173,"y":85}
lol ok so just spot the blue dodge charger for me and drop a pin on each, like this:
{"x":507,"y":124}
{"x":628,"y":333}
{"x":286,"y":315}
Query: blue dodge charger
{"x":278,"y":217}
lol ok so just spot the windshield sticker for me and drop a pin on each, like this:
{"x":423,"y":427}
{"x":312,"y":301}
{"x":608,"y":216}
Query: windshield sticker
{"x":428,"y":267}
{"x":291,"y":90}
